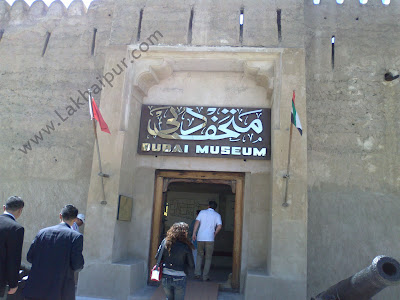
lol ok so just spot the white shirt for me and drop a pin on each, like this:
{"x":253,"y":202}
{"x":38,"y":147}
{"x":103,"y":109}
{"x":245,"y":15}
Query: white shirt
{"x":75,"y":227}
{"x":209,"y":220}
{"x":7,"y":213}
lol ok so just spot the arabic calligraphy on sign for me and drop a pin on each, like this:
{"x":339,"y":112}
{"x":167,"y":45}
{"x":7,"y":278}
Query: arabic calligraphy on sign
{"x":188,"y":127}
{"x":199,"y":124}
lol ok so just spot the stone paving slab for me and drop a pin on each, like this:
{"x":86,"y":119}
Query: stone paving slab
{"x":89,"y":298}
{"x":229,"y":296}
{"x":148,"y":292}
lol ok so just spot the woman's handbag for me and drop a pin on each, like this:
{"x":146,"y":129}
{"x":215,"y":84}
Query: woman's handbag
{"x":156,"y":272}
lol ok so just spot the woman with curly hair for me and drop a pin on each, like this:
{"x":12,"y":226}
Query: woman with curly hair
{"x":176,"y":256}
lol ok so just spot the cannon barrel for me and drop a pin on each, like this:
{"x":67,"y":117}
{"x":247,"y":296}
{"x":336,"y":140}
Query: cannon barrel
{"x":384,"y":271}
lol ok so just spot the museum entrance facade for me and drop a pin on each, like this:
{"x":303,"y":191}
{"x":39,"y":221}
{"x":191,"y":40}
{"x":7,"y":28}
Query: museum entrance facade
{"x":179,"y":194}
{"x":189,"y":124}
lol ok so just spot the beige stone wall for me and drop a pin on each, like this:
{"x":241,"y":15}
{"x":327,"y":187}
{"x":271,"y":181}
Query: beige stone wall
{"x":57,"y":169}
{"x":353,"y":139}
{"x":182,"y":206}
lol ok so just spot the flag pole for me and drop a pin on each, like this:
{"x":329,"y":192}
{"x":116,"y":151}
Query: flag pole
{"x":287,"y":175}
{"x":101,"y":174}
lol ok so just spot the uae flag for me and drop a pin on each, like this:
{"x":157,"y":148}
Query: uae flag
{"x":295,"y":116}
{"x":95,"y":113}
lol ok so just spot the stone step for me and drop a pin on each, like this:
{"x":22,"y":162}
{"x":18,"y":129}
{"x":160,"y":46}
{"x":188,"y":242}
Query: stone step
{"x":147,"y":293}
{"x":229,"y":296}
{"x":89,"y":298}
{"x":143,"y":294}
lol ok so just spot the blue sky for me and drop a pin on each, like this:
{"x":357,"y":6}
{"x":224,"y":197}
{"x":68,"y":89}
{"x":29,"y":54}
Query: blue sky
{"x":48,"y":2}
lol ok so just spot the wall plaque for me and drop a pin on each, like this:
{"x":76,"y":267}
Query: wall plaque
{"x":199,"y":131}
{"x":124,"y":208}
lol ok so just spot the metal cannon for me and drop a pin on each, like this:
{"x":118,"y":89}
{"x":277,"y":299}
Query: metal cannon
{"x":383,"y":272}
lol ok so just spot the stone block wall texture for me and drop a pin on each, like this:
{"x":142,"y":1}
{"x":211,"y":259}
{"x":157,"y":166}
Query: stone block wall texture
{"x":353,"y":139}
{"x":353,"y":128}
{"x":33,"y":87}
{"x":182,"y":206}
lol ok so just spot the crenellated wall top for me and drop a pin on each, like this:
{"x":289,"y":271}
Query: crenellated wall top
{"x":204,"y":23}
{"x":20,"y":12}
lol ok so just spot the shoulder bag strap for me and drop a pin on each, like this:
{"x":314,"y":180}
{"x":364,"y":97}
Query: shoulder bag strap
{"x":161,"y":252}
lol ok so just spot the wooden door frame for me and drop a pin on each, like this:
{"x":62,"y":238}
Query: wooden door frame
{"x":202,"y":176}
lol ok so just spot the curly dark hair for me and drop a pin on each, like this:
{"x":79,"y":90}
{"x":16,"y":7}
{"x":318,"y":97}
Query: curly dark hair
{"x":177,"y":232}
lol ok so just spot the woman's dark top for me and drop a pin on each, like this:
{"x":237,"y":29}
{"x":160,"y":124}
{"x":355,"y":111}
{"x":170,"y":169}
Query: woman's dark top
{"x":181,"y":256}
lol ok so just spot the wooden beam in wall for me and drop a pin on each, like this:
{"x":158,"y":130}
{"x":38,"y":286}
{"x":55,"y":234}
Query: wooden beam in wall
{"x":237,"y":234}
{"x":201,"y":175}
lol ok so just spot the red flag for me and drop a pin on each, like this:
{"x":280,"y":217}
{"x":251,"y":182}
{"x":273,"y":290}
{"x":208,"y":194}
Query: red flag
{"x":97,"y":115}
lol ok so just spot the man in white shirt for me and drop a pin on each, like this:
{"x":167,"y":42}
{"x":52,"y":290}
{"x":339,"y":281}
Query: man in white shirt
{"x":209,"y":223}
{"x":80,"y":220}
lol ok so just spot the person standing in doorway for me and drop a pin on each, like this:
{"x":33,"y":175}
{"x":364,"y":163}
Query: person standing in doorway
{"x":11,"y":240}
{"x":208,"y":223}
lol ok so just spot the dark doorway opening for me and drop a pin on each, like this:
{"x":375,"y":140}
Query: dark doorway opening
{"x":183,"y":199}
{"x":227,"y":187}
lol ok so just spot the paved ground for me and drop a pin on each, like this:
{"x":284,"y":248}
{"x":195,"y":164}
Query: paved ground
{"x":221,"y":296}
{"x":87,"y":298}
{"x":229,"y":296}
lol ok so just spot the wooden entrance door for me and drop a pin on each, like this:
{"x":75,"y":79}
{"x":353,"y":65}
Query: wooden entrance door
{"x":235,"y":180}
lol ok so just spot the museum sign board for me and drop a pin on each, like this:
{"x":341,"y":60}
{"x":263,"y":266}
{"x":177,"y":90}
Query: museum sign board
{"x":198,"y":131}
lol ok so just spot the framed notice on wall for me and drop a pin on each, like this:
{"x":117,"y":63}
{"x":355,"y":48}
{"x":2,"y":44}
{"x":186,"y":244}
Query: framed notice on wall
{"x":125,"y":205}
{"x":198,"y":131}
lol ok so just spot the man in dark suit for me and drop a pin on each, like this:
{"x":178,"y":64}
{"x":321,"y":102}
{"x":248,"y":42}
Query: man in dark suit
{"x":55,"y":254}
{"x":11,"y":239}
